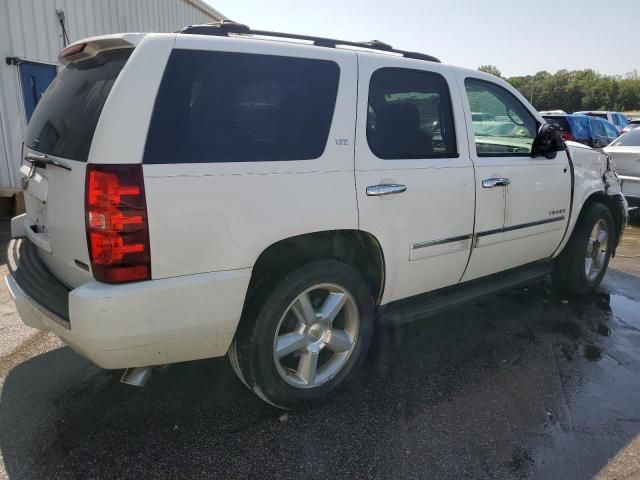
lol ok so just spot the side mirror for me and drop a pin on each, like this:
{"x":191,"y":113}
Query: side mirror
{"x":548,"y":142}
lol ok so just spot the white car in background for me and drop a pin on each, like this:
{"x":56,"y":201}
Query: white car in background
{"x":625,"y":153}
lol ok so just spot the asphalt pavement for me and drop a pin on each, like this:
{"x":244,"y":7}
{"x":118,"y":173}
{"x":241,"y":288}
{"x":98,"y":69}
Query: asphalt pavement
{"x":528,"y":384}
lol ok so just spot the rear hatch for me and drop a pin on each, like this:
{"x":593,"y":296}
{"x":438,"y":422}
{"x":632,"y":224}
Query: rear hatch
{"x":56,"y":150}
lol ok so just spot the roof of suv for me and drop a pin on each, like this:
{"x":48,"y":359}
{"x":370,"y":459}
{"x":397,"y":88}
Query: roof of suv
{"x":228,"y":28}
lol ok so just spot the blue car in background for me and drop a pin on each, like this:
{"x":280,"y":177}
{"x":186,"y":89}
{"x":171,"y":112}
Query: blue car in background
{"x":620,"y":120}
{"x":592,"y":131}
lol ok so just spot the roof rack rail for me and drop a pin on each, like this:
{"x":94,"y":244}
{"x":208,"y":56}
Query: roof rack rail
{"x":225,"y":27}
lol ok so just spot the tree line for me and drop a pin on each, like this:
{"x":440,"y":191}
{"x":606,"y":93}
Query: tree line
{"x":574,"y":90}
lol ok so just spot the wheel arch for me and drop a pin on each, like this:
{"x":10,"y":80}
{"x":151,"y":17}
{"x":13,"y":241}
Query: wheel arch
{"x":358,"y":248}
{"x":615,"y":204}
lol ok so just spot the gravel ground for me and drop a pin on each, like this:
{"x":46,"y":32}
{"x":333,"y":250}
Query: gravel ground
{"x":526,"y":384}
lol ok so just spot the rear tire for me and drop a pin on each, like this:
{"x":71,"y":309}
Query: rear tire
{"x":582,"y":264}
{"x":302,"y":338}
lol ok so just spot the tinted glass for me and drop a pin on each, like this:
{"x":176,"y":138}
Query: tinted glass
{"x":513,"y":128}
{"x":65,"y":119}
{"x":630,"y":139}
{"x":236,"y":107}
{"x":561,"y":124}
{"x":410,"y":115}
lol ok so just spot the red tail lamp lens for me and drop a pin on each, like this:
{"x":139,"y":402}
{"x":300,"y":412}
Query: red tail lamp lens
{"x":116,"y":223}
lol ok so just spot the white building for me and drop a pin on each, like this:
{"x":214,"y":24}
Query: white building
{"x":32,"y":34}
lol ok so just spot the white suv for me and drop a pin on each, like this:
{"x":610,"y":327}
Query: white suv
{"x":219,"y":191}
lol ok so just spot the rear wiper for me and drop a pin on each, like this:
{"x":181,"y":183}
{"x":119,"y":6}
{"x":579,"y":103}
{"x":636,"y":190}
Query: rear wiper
{"x":41,"y":161}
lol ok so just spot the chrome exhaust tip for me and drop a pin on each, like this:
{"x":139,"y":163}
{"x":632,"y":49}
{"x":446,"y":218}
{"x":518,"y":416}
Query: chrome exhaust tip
{"x":136,"y":377}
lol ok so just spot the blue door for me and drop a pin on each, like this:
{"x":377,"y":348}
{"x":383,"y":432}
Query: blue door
{"x":35,"y":78}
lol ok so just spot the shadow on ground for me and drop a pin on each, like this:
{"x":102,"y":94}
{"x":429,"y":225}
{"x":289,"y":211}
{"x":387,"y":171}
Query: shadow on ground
{"x":521,"y":385}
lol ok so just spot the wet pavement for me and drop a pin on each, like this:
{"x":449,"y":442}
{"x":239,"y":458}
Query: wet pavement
{"x":527,"y":384}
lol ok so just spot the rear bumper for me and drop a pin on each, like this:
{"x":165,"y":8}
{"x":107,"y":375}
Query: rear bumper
{"x":143,"y":323}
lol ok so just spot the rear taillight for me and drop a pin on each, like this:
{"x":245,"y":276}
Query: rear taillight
{"x":567,"y":136}
{"x":116,"y":223}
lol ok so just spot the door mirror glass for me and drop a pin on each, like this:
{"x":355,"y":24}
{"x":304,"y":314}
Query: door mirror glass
{"x":548,"y":142}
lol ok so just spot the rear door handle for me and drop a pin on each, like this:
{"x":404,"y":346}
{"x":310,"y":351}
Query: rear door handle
{"x":495,"y":182}
{"x":385,"y":189}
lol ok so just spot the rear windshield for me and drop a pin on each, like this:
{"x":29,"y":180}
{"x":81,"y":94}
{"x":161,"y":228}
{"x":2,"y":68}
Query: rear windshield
{"x":629,"y":139}
{"x":237,"y":107}
{"x":65,"y":119}
{"x":559,"y":123}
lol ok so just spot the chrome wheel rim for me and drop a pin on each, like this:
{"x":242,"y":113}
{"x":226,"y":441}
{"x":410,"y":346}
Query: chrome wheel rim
{"x":596,"y":253}
{"x":316,"y":335}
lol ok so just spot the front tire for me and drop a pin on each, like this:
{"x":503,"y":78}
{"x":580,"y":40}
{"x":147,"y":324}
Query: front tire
{"x":299,"y":341}
{"x":584,"y":260}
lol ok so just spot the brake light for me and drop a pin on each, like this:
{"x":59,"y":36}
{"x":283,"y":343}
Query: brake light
{"x":72,"y":50}
{"x":567,"y":136}
{"x":116,"y":223}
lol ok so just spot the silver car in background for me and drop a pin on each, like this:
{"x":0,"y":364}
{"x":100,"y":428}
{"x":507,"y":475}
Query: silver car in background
{"x":625,"y":153}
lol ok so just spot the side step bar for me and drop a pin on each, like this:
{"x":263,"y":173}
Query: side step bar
{"x":432,"y":303}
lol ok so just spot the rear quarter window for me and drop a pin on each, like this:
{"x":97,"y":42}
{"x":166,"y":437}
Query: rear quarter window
{"x":237,"y":107}
{"x":66,"y":117}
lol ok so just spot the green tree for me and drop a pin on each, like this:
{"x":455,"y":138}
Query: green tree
{"x":492,"y":69}
{"x":576,"y":89}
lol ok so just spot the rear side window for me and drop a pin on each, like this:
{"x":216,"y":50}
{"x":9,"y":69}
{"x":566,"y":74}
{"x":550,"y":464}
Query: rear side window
{"x":65,"y":119}
{"x":410,"y":115}
{"x":237,"y":107}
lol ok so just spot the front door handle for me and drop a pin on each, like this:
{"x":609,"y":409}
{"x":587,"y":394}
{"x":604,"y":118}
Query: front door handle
{"x":495,"y":182}
{"x":385,"y":189}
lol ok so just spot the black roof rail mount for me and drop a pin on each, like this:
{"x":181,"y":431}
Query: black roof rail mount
{"x":225,"y":27}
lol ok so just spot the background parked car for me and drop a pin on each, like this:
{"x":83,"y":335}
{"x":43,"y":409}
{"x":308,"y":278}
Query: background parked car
{"x":592,"y":131}
{"x":620,"y":120}
{"x":635,"y":123}
{"x":625,"y":152}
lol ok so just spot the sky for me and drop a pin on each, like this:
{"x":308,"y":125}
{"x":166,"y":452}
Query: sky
{"x":520,"y":37}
